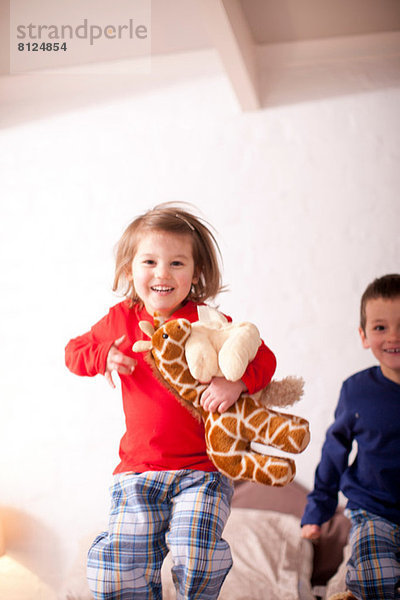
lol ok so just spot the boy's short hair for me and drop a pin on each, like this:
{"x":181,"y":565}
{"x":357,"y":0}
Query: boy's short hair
{"x":172,"y":218}
{"x":386,"y":287}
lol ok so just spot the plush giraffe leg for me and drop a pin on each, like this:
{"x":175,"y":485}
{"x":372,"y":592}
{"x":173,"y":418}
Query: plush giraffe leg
{"x":245,"y":463}
{"x":246,"y":420}
{"x":282,"y":431}
{"x":229,"y":435}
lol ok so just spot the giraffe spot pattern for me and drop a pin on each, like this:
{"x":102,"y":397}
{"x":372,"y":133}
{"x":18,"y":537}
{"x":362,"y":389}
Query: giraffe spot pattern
{"x":222,"y":442}
{"x":226,"y":465}
{"x":245,"y":432}
{"x":174,"y":370}
{"x":173,"y":352}
{"x":189,"y":395}
{"x":186,"y":378}
{"x":230,"y":424}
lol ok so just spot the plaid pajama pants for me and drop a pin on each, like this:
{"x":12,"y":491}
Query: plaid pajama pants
{"x":153,"y":512}
{"x":373,"y":570}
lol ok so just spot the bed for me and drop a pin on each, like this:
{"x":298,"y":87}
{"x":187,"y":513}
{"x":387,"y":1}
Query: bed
{"x":317,"y":568}
{"x":271,"y":560}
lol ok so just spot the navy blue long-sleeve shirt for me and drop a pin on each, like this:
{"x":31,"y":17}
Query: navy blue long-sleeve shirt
{"x":368,"y":411}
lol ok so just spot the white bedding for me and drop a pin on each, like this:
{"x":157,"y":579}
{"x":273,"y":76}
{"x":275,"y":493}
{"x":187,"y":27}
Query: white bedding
{"x":270,"y":561}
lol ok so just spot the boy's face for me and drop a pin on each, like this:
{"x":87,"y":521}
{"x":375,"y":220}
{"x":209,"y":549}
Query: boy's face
{"x":382,"y":334}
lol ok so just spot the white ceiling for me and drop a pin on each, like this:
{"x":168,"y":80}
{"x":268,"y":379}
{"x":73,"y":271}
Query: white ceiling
{"x":179,"y":25}
{"x":184,"y":25}
{"x":258,"y":42}
{"x":273,"y":21}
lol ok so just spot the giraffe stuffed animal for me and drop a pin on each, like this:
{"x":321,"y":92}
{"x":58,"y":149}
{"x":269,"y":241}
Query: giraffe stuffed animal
{"x":229,"y":435}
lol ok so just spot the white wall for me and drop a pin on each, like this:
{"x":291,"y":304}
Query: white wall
{"x":305,"y":201}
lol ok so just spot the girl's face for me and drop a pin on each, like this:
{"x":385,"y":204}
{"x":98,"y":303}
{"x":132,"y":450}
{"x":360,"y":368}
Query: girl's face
{"x":163,"y":271}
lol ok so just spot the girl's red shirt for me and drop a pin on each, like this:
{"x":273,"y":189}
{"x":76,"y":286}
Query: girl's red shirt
{"x":161,"y":434}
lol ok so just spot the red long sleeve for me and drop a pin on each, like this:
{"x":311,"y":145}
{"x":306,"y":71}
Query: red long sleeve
{"x":161,"y":434}
{"x":87,"y":353}
{"x":261,"y":370}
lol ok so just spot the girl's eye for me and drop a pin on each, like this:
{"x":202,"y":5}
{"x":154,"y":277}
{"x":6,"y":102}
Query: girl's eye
{"x":177,"y":263}
{"x":379,"y":328}
{"x":149,"y":262}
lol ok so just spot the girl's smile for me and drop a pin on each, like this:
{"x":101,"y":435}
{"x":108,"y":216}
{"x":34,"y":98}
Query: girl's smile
{"x":163,"y":271}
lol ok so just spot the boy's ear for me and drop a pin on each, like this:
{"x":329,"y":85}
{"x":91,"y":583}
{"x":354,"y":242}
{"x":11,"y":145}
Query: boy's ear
{"x":363,"y":337}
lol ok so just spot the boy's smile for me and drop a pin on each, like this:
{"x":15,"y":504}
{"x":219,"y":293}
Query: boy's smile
{"x":382,"y":334}
{"x":163,"y":271}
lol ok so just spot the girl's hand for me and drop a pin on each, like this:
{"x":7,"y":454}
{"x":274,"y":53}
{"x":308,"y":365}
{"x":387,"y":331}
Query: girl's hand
{"x":311,"y":532}
{"x":118,"y":361}
{"x":221,"y":394}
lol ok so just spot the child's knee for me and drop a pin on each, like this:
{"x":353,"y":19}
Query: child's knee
{"x":101,"y":569}
{"x":372,"y":579}
{"x":387,"y":589}
{"x":201,"y":570}
{"x":373,"y":567}
{"x":115,"y":573}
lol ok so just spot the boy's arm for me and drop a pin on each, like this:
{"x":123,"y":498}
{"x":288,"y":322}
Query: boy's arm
{"x":322,"y":501}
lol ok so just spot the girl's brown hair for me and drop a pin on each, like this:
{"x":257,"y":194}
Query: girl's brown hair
{"x":172,"y":218}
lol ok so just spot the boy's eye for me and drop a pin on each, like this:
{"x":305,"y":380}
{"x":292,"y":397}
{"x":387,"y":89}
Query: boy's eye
{"x":379,"y":328}
{"x":148,"y":261}
{"x":177,"y":263}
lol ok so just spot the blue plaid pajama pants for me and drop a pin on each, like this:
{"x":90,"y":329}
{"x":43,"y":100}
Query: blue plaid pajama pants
{"x":153,"y":512}
{"x":373,"y":570}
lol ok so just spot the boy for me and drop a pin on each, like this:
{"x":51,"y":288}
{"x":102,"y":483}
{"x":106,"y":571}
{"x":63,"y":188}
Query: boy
{"x":368,"y":412}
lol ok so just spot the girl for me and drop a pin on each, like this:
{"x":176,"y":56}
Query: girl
{"x":167,"y":494}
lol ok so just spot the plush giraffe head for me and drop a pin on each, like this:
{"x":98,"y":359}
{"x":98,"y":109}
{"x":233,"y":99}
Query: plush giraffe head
{"x":229,"y":435}
{"x":167,"y":347}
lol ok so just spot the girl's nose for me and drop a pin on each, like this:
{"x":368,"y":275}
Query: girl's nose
{"x":162,"y":270}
